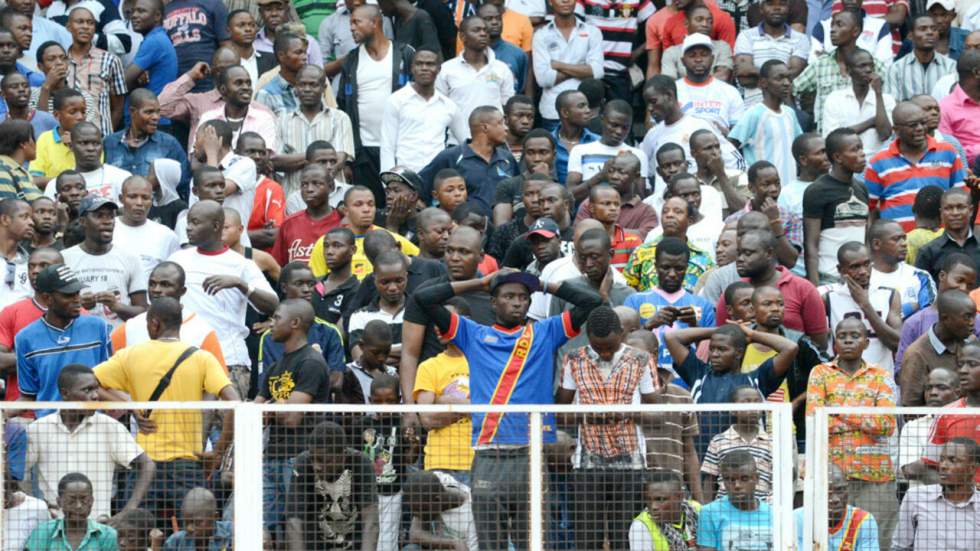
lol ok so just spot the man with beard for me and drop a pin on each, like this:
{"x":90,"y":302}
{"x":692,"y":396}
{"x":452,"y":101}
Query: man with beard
{"x":849,"y":527}
{"x":667,"y":306}
{"x":135,"y":148}
{"x":918,"y":71}
{"x":880,"y":310}
{"x":235,"y":87}
{"x":915,"y":286}
{"x":756,"y":264}
{"x":434,"y":228}
{"x":17,"y":95}
{"x":702,"y":95}
{"x":420,"y":341}
{"x":417,"y":117}
{"x":151,"y":241}
{"x":519,"y":117}
{"x":114,"y":277}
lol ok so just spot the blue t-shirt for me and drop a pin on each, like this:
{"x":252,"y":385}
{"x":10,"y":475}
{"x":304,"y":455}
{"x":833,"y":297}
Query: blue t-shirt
{"x":41,"y":121}
{"x":42,"y":350}
{"x":515,"y":59}
{"x":723,"y":527}
{"x":322,"y":335}
{"x":867,"y":532}
{"x":196,"y":28}
{"x":511,"y":366}
{"x":647,"y":304}
{"x":156,"y":56}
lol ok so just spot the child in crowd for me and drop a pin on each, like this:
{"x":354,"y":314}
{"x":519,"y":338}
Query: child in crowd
{"x":375,"y":345}
{"x":449,"y":190}
{"x":441,"y":512}
{"x":137,"y":531}
{"x":746,"y":433}
{"x":668,"y":517}
{"x":201,"y":527}
{"x":738,"y":520}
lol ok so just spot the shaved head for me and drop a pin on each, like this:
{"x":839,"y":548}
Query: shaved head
{"x":466,"y":237}
{"x":298,"y":309}
{"x":210,"y":211}
{"x":199,"y":500}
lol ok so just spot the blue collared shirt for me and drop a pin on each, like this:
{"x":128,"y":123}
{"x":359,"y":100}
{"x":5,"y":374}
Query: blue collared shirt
{"x":515,"y":58}
{"x":481,"y":177}
{"x":278,"y":95}
{"x":220,"y":541}
{"x":50,"y":536}
{"x":158,"y":145}
{"x":561,"y":153}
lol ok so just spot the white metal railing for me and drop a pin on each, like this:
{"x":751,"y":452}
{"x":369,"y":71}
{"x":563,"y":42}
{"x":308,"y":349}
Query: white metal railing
{"x":818,"y":453}
{"x":248,"y":451}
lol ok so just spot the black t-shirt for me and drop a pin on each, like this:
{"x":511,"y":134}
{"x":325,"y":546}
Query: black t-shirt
{"x":301,"y":371}
{"x":510,"y":191}
{"x":420,"y":270}
{"x":504,"y":236}
{"x":380,"y":439}
{"x":331,"y":306}
{"x":829,"y":199}
{"x":331,"y":509}
{"x":480,"y":312}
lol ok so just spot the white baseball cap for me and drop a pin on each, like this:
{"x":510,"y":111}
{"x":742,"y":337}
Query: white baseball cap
{"x":697,"y":39}
{"x":950,"y":5}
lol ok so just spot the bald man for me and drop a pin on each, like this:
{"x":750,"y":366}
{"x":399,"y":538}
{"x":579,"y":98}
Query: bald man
{"x":934,"y":163}
{"x":202,"y":529}
{"x":135,"y":147}
{"x":220,"y":286}
{"x":483,"y":162}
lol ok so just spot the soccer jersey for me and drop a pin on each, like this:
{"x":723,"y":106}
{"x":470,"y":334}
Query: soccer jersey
{"x":947,"y":427}
{"x":13,"y":318}
{"x":768,"y":135}
{"x":649,"y":302}
{"x":712,"y":100}
{"x":507,"y":366}
{"x":915,"y":287}
{"x":588,"y":159}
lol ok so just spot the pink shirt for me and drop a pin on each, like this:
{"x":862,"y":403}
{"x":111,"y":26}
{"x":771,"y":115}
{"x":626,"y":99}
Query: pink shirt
{"x":258,"y":119}
{"x":959,"y":116}
{"x":177,"y":102}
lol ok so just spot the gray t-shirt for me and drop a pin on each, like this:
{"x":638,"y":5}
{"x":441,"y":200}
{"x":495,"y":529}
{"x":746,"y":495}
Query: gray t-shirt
{"x":717,"y":281}
{"x":117,"y":270}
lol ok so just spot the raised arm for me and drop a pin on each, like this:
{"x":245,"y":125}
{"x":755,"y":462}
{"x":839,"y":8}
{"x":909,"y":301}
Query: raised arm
{"x":584,"y":298}
{"x":785,"y":349}
{"x":677,"y":342}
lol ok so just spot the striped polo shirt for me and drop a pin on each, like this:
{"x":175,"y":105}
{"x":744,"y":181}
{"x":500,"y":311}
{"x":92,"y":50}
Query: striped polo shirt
{"x":623,"y":244}
{"x":618,"y":22}
{"x":893,"y":181}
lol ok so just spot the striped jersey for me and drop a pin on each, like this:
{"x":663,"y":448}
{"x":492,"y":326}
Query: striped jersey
{"x":510,"y":366}
{"x":618,"y":22}
{"x":622,"y":246}
{"x":648,"y":303}
{"x":766,"y":135}
{"x":893,"y":181}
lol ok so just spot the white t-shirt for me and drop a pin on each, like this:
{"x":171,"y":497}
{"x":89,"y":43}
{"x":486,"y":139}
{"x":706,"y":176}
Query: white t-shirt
{"x":457,"y":523}
{"x":704,"y":235}
{"x":117,"y":270}
{"x":680,"y":134}
{"x":20,"y":521}
{"x":916,"y":288}
{"x":714,"y":101}
{"x":20,"y":286}
{"x":152,"y":242}
{"x":224,"y":310}
{"x":588,"y":159}
{"x":180,"y":230}
{"x":373,"y":89}
{"x":105,"y":181}
{"x":558,"y":270}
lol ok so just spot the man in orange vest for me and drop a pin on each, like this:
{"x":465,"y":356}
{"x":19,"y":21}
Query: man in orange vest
{"x":850,"y":528}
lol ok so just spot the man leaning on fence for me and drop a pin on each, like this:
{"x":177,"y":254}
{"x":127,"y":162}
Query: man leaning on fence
{"x":512,"y":363}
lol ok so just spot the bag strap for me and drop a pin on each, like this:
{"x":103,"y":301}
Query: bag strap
{"x":165,"y":380}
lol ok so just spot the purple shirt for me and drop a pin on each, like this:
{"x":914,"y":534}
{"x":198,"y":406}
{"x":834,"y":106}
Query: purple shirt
{"x":917,"y":325}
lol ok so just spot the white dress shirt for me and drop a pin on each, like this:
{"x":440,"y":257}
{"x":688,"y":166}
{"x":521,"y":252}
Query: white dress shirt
{"x":584,"y":45}
{"x":413,"y":129}
{"x":469,"y":88}
{"x":842,"y":109}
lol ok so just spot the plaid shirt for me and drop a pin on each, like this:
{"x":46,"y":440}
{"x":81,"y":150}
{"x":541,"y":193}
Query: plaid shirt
{"x":822,"y":77}
{"x":582,"y":365}
{"x":792,"y":223}
{"x":100,"y":74}
{"x":15,"y":182}
{"x":858,"y":443}
{"x":641,"y":274}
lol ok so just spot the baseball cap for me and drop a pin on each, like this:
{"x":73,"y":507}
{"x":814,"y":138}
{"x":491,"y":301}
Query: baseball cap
{"x":697,"y":39}
{"x":264,"y":2}
{"x":58,"y":278}
{"x":403,"y":175}
{"x":528,"y":280}
{"x":93,"y":202}
{"x":545,"y":227}
{"x":949,"y":5}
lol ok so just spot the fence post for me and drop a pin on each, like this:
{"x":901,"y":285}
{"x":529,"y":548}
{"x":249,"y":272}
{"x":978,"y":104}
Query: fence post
{"x":248,"y":476}
{"x":784,"y":534}
{"x":818,"y":440}
{"x":536,"y":472}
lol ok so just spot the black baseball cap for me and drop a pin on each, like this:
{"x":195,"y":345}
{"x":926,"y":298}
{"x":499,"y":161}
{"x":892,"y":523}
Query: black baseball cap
{"x":545,"y":227}
{"x":403,"y":175}
{"x":58,"y":278}
{"x":530,"y":281}
{"x":93,"y":202}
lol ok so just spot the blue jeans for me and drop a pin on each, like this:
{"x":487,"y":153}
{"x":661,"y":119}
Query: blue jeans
{"x":276,"y":476}
{"x":172,"y":481}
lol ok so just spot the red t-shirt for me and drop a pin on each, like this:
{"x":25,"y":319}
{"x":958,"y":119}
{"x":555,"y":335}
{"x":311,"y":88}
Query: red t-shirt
{"x":298,"y":233}
{"x":670,"y":31}
{"x":804,"y":309}
{"x":948,"y":427}
{"x":269,"y":205}
{"x":13,"y":318}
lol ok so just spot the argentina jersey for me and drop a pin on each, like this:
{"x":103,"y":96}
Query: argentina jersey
{"x":510,"y":366}
{"x":648,"y":303}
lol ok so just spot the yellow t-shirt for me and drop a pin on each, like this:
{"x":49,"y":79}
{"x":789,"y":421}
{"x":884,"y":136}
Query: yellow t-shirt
{"x":754,"y":356}
{"x":916,"y":239}
{"x":53,"y":157}
{"x":360,"y":266}
{"x":136,"y":370}
{"x":448,"y":447}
